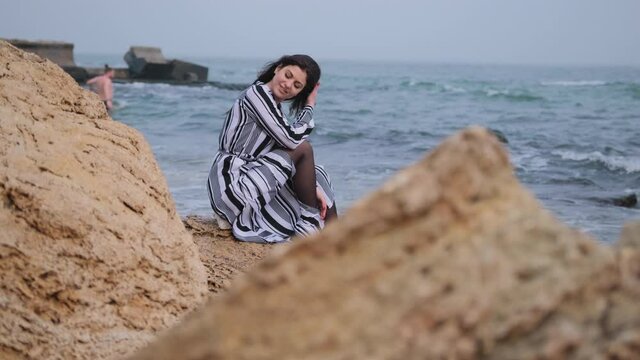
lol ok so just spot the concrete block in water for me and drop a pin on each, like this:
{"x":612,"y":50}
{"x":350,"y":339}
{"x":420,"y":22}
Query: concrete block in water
{"x":149,"y":63}
{"x":189,"y":72}
{"x":59,"y":52}
{"x":144,"y":61}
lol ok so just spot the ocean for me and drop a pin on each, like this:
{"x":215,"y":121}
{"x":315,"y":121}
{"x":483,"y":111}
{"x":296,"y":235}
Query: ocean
{"x":573,"y":131}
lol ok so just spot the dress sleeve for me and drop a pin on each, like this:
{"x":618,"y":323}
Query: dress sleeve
{"x":271,"y":119}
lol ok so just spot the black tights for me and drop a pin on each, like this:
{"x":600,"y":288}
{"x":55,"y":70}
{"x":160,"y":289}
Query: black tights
{"x":304,"y":181}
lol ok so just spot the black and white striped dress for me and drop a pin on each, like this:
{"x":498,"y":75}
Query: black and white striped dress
{"x":250,"y":180}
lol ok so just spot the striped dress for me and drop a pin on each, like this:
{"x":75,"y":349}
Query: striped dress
{"x":250,"y":181}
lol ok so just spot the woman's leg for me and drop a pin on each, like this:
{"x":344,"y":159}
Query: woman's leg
{"x":304,"y":181}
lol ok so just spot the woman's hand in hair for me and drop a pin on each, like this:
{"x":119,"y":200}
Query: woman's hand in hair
{"x":311,"y":100}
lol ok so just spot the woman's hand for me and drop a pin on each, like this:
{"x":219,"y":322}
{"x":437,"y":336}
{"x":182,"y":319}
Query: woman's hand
{"x":322,"y":203}
{"x":311,"y":100}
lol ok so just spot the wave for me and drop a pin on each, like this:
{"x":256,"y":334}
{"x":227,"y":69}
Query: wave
{"x":228,"y":86}
{"x":529,"y":162}
{"x":613,"y":163}
{"x":512,"y":96}
{"x":581,"y":181}
{"x":145,"y":85}
{"x":194,"y":125}
{"x":453,"y":89}
{"x":350,"y":112}
{"x":574,"y":83}
{"x":333,"y":136}
{"x":120,"y":104}
{"x":428,"y":85}
{"x":415,"y":83}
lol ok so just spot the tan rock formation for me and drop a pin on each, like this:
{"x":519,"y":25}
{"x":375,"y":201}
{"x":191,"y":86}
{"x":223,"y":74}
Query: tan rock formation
{"x":94,"y":259}
{"x":224,"y":257}
{"x":630,"y":236}
{"x":451,"y":259}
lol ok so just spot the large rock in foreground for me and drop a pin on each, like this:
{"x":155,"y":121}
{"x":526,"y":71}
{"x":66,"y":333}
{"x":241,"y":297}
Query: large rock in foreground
{"x":93,"y":257}
{"x":451,"y":259}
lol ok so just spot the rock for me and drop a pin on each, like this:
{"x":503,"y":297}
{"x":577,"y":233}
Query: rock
{"x":451,"y":259}
{"x":224,"y":257}
{"x":94,"y":259}
{"x":59,"y":52}
{"x":630,"y":236}
{"x":500,"y":135}
{"x":628,"y":201}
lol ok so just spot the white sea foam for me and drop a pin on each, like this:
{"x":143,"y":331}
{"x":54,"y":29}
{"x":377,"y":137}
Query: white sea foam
{"x":147,"y":85}
{"x":136,"y":85}
{"x":453,"y":89}
{"x":529,"y":161}
{"x":120,"y":104}
{"x":492,"y":92}
{"x":614,"y":163}
{"x":574,"y":83}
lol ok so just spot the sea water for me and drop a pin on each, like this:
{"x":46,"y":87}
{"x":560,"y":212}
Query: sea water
{"x":573,"y":132}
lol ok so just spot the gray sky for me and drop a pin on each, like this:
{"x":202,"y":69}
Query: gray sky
{"x":470,"y":31}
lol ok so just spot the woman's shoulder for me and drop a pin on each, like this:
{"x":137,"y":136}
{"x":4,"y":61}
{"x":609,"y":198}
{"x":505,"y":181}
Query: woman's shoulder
{"x":260,"y":89}
{"x":260,"y":85}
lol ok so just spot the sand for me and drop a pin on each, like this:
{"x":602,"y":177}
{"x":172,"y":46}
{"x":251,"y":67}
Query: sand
{"x":223,"y":256}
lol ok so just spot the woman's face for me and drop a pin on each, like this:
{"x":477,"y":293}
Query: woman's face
{"x":287,"y":82}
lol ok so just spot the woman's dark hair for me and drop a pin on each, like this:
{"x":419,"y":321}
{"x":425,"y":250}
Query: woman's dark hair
{"x":307,"y":64}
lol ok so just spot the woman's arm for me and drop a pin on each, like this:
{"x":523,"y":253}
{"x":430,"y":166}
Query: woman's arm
{"x":270,"y":118}
{"x":308,"y":109}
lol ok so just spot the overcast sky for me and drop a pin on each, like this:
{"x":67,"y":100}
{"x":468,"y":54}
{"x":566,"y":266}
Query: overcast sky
{"x":469,"y":31}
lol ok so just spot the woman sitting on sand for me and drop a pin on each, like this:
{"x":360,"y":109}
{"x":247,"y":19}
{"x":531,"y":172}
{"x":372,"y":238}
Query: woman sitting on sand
{"x":264,"y":180}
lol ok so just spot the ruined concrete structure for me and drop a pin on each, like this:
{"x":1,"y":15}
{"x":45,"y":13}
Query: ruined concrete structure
{"x":145,"y":63}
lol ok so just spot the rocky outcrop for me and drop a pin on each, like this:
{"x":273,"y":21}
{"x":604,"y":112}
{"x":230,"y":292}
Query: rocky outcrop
{"x":224,"y":257}
{"x":451,"y":259}
{"x":628,"y":201}
{"x":94,"y":259}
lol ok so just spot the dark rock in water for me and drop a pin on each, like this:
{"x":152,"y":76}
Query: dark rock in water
{"x":628,"y":201}
{"x":500,"y":135}
{"x":79,"y":73}
{"x":149,"y":63}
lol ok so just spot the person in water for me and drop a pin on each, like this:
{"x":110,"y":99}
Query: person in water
{"x":264,"y":181}
{"x":103,"y":86}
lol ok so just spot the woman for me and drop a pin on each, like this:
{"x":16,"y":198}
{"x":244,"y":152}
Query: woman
{"x":264,"y":180}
